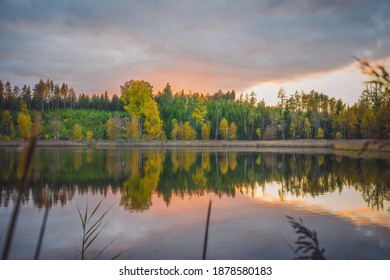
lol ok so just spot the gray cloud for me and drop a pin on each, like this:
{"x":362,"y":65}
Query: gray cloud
{"x":198,"y":45}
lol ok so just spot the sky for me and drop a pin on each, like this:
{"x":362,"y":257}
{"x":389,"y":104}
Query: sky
{"x":202,"y":46}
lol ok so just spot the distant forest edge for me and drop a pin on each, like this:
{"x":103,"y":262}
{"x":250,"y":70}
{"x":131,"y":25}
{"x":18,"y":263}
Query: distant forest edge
{"x":138,"y":114}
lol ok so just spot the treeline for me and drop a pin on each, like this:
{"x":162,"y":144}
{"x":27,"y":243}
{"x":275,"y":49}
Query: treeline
{"x":139,"y":114}
{"x":48,"y":95}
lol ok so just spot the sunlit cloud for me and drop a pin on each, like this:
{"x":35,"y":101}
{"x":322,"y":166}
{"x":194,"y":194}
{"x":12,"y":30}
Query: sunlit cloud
{"x":201,"y":46}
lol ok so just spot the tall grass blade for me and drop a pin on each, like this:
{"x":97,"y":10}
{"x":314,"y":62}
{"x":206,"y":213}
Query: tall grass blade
{"x":15,"y":212}
{"x":92,"y":232}
{"x":42,"y":232}
{"x":206,"y":233}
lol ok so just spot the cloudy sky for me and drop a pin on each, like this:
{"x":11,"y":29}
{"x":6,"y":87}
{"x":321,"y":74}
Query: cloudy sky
{"x":202,"y":46}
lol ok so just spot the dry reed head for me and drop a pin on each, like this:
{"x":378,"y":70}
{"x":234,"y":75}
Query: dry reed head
{"x":307,"y":242}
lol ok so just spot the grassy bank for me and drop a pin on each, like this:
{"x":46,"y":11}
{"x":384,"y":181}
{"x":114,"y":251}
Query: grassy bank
{"x":347,"y":145}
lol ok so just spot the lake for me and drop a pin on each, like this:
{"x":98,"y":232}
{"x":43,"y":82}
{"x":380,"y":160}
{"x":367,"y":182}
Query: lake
{"x":157,"y":201}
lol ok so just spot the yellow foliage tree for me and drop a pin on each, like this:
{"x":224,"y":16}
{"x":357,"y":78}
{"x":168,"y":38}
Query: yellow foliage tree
{"x":307,"y":128}
{"x":25,"y":124}
{"x":232,"y":131}
{"x":132,"y":128}
{"x":223,"y":129}
{"x":205,"y":131}
{"x":188,"y":131}
{"x":153,"y":122}
{"x":223,"y":164}
{"x":89,"y":134}
{"x":320,"y":133}
{"x":200,"y":111}
{"x":77,"y":132}
{"x":175,"y":130}
{"x":135,"y":95}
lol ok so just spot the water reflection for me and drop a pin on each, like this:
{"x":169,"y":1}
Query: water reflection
{"x":58,"y":174}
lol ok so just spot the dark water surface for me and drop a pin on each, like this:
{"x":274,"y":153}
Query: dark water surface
{"x":159,"y":201}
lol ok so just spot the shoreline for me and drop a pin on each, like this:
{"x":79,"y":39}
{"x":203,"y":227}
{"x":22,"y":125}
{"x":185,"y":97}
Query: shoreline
{"x":348,"y":145}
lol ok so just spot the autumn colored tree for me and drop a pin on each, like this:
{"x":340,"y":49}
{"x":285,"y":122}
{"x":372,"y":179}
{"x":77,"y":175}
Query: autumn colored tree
{"x":24,"y":121}
{"x":307,"y":129}
{"x":320,"y":133}
{"x":188,"y":131}
{"x":232,"y":133}
{"x":338,"y":135}
{"x":200,"y":111}
{"x":132,"y":129}
{"x":114,"y":127}
{"x":77,"y":132}
{"x":135,"y":95}
{"x":89,"y":135}
{"x":153,"y":123}
{"x":25,"y":124}
{"x":175,"y":134}
{"x":205,"y":131}
{"x":223,"y":129}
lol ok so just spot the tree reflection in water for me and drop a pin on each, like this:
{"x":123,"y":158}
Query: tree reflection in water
{"x":138,"y":174}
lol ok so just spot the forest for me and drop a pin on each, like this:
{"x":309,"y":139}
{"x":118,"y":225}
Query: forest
{"x":138,"y":113}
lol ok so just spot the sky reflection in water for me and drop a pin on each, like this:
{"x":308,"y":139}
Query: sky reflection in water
{"x":160,"y":202}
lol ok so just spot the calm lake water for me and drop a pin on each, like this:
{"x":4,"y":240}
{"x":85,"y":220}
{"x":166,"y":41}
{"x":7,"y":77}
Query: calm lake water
{"x":159,"y":201}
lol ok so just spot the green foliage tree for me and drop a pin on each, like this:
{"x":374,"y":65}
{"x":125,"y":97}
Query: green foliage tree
{"x":12,"y":131}
{"x":56,"y":127}
{"x":6,"y":122}
{"x":368,"y":124}
{"x":258,"y":132}
{"x":292,"y":130}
